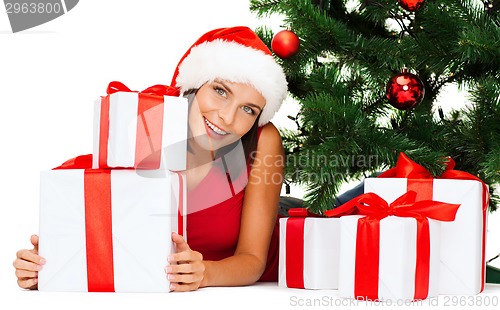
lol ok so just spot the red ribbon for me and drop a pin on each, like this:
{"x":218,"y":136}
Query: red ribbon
{"x":98,"y":222}
{"x":420,"y":180}
{"x":104,"y":132}
{"x":180,"y":210}
{"x":98,"y":231}
{"x":295,"y":252}
{"x":368,"y":236}
{"x":294,"y":244}
{"x":149,"y":125}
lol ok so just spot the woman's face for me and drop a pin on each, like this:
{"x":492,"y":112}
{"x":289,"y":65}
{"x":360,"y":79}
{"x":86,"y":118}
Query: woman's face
{"x":222,"y":112}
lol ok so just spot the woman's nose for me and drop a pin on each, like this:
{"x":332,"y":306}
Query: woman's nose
{"x":227,"y":114}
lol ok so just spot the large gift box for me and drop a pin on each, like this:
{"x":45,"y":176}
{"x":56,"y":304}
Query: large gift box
{"x":309,"y":252}
{"x":391,"y":251}
{"x":145,"y":130}
{"x":108,"y":230}
{"x":462,"y":256}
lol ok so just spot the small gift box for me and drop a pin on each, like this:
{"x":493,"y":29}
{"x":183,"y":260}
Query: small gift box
{"x":145,"y":130}
{"x":462,"y":256}
{"x":391,"y":251}
{"x":309,"y":251}
{"x":108,"y":230}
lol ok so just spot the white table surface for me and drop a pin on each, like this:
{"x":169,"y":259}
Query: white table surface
{"x":259,"y":296}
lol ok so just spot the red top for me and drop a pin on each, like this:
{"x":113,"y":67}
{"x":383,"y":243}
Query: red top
{"x":214,"y":218}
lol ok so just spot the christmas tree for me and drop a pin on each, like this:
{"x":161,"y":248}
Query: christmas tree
{"x":355,"y":114}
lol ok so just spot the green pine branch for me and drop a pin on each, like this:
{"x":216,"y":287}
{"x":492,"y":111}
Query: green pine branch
{"x":346,"y":128}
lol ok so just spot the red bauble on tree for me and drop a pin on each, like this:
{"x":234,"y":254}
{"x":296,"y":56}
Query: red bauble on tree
{"x":285,"y":44}
{"x":405,"y":90}
{"x":411,"y":5}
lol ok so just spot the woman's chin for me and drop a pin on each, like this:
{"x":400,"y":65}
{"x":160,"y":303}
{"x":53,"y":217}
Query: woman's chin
{"x":209,"y":144}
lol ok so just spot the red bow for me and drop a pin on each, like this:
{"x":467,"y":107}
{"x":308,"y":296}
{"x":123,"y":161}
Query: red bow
{"x":407,"y":168}
{"x":158,"y":89}
{"x":374,"y":206}
{"x":78,"y":162}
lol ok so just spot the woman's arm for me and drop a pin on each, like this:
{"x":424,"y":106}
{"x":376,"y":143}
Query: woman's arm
{"x":258,"y":218}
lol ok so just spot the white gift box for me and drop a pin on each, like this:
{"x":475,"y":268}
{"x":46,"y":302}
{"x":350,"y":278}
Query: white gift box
{"x":144,"y":211}
{"x":154,"y":139}
{"x":321,"y":253}
{"x":397,"y":258}
{"x":462,"y":263}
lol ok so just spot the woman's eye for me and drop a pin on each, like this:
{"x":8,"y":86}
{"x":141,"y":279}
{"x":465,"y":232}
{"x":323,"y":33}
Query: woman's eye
{"x":220,"y":91}
{"x":248,"y":110}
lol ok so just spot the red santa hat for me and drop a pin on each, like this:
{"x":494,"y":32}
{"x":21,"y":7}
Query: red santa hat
{"x":237,"y":55}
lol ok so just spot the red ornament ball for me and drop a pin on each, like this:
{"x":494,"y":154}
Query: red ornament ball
{"x":405,"y":90}
{"x":411,"y":5}
{"x":285,"y":44}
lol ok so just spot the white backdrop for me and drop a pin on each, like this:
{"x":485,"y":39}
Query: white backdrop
{"x":50,"y":75}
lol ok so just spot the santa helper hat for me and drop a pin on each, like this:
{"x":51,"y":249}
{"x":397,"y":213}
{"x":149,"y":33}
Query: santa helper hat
{"x":236,"y":55}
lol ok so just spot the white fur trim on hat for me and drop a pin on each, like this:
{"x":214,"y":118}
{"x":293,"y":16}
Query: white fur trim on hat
{"x":234,"y":62}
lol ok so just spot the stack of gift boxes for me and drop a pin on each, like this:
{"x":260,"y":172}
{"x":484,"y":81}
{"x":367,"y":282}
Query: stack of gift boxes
{"x":106,"y":218}
{"x":408,"y":237}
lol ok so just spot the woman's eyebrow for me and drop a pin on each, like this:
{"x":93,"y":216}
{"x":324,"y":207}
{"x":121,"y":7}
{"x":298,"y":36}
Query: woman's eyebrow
{"x":254,"y":106}
{"x":225,"y":86}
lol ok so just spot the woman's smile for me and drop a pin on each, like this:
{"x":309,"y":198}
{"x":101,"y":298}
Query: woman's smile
{"x":212,"y":128}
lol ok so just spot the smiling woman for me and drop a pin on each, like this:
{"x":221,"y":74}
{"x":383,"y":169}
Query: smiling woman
{"x":235,"y":87}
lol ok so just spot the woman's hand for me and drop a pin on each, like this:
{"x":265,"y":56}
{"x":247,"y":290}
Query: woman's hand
{"x":27,"y":265}
{"x":186,"y":269}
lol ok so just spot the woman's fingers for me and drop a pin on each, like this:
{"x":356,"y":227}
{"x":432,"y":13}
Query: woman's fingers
{"x":185,"y":268}
{"x":183,"y":287}
{"x":30,"y":256}
{"x":27,"y":264}
{"x":184,"y":257}
{"x":180,"y":244}
{"x":20,"y":264}
{"x":184,"y":278}
{"x":30,"y":283}
{"x":25,"y":274}
{"x":34,"y":241}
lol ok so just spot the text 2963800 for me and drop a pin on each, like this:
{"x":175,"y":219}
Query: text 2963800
{"x":33,"y":8}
